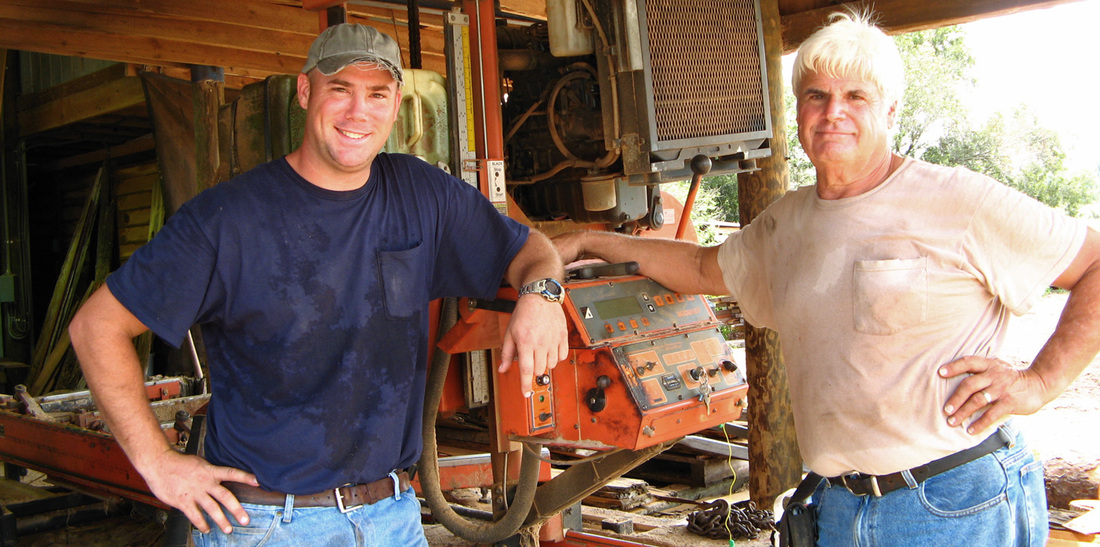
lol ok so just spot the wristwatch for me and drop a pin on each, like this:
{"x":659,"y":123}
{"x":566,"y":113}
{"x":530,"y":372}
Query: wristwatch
{"x":548,"y":288}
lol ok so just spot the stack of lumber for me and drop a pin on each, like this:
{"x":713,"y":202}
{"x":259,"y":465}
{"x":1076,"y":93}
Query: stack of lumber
{"x":623,"y":494}
{"x":1078,"y":527}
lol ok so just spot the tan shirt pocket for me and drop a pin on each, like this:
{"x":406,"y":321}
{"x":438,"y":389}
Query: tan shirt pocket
{"x":889,"y":296}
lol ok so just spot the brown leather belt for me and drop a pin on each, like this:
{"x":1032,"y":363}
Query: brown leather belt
{"x":346,"y":498}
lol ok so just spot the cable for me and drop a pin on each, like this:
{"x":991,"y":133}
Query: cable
{"x":729,"y":462}
{"x":441,"y":509}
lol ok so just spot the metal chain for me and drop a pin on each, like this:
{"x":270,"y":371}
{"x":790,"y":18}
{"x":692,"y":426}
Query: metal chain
{"x":745,"y":520}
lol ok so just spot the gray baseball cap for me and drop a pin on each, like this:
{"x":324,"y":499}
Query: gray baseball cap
{"x":341,"y":45}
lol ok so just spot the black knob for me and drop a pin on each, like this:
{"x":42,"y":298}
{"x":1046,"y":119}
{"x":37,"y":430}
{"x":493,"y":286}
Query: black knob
{"x":603,"y":381}
{"x":542,"y":379}
{"x":730,"y":366}
{"x":701,"y":164}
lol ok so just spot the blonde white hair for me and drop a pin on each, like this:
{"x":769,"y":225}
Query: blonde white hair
{"x":850,"y":46}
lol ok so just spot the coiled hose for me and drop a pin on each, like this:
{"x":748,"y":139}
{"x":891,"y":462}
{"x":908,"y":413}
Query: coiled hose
{"x":429,"y":462}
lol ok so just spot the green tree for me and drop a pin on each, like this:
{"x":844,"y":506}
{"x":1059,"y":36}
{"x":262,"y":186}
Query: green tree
{"x":937,"y":67}
{"x":1020,"y":152}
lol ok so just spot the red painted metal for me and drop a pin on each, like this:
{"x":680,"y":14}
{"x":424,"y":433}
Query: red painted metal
{"x":85,"y":458}
{"x":455,"y":473}
{"x":583,"y":539}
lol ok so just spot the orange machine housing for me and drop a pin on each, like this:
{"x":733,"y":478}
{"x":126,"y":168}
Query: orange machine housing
{"x":646,"y":365}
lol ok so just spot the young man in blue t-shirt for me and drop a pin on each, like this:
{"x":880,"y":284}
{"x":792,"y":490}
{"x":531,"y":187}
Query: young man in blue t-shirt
{"x":311,"y":277}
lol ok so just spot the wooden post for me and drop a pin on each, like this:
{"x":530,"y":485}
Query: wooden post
{"x":775,"y":464}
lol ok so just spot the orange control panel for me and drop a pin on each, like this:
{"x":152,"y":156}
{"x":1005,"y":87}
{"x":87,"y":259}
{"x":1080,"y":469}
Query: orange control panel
{"x":646,"y":365}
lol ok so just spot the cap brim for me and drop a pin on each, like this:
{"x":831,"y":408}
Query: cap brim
{"x":336,"y":63}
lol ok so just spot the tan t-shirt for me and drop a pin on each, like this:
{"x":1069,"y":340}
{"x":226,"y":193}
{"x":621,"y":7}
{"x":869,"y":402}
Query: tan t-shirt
{"x":871,"y":294}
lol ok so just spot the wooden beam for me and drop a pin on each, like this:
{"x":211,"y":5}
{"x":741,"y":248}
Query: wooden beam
{"x":111,"y":22}
{"x":83,"y":83}
{"x":104,"y":99}
{"x":140,"y":144}
{"x":774,"y":459}
{"x":178,"y":34}
{"x":143,"y":51}
{"x":267,"y":14}
{"x":535,"y":9}
{"x":318,"y":5}
{"x":902,"y":16}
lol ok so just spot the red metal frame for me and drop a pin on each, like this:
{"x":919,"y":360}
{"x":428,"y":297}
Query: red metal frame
{"x":584,"y":539}
{"x":85,"y":458}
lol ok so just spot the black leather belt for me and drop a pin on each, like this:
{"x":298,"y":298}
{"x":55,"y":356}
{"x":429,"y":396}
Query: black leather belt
{"x":878,"y":485}
{"x":346,"y":498}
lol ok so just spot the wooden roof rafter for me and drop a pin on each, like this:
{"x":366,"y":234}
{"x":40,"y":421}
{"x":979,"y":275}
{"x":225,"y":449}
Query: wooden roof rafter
{"x":902,"y":16}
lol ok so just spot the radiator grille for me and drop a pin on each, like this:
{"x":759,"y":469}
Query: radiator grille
{"x":705,"y":68}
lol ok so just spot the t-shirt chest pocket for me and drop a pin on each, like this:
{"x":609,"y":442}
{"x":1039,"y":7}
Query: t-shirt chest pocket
{"x":889,"y":295}
{"x":404,"y":281}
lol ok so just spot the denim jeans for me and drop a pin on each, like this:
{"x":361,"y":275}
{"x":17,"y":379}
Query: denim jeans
{"x":387,"y":523}
{"x":997,"y":500}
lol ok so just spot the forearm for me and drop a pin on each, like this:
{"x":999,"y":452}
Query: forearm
{"x":536,"y":260}
{"x":1075,"y":341}
{"x":682,"y":266}
{"x":114,"y":375}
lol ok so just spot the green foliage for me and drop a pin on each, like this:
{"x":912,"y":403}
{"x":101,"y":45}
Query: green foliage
{"x":1022,"y":154}
{"x":798,"y":163}
{"x":937,"y":66}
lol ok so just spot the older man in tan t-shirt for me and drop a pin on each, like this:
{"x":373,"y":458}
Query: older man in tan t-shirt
{"x":891,"y":282}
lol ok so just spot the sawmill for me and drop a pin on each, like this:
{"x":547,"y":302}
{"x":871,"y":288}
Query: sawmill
{"x":564,"y":114}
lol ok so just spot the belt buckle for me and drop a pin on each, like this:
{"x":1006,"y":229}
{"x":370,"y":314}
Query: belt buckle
{"x":340,"y":500}
{"x":874,"y":485}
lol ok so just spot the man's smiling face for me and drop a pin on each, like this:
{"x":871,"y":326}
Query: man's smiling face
{"x":349,"y":116}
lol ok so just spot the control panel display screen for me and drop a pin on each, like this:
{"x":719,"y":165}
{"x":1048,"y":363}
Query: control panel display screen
{"x":618,"y":307}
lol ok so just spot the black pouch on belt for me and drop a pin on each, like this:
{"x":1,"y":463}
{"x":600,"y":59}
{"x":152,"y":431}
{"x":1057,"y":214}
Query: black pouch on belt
{"x":798,"y":525}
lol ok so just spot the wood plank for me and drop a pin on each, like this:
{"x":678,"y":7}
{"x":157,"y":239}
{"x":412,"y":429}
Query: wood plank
{"x":135,"y":185}
{"x":127,"y":249}
{"x":264,"y":14}
{"x":136,"y":234}
{"x":535,"y":9}
{"x":140,"y":144}
{"x":251,"y":39}
{"x":146,"y":51}
{"x":1068,"y":538}
{"x":149,"y":169}
{"x":105,"y":99}
{"x":136,"y":217}
{"x":111,"y":22}
{"x":135,"y":201}
{"x":902,"y":16}
{"x":1088,"y":523}
{"x":83,"y":83}
{"x":714,"y":447}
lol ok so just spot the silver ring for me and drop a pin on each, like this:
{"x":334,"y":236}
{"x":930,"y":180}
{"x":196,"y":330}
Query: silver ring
{"x":988,"y":397}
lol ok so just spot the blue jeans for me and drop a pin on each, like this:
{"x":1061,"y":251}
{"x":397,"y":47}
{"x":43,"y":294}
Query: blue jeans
{"x":386,"y":523}
{"x":997,"y":500}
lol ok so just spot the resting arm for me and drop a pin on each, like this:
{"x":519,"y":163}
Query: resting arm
{"x":536,"y":335}
{"x":682,"y":266}
{"x":1072,"y":346}
{"x":102,"y":334}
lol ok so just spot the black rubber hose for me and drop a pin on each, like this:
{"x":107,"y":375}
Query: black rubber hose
{"x":429,"y":463}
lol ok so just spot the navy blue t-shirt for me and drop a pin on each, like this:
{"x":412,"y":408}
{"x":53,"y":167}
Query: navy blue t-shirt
{"x":313,"y":306}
